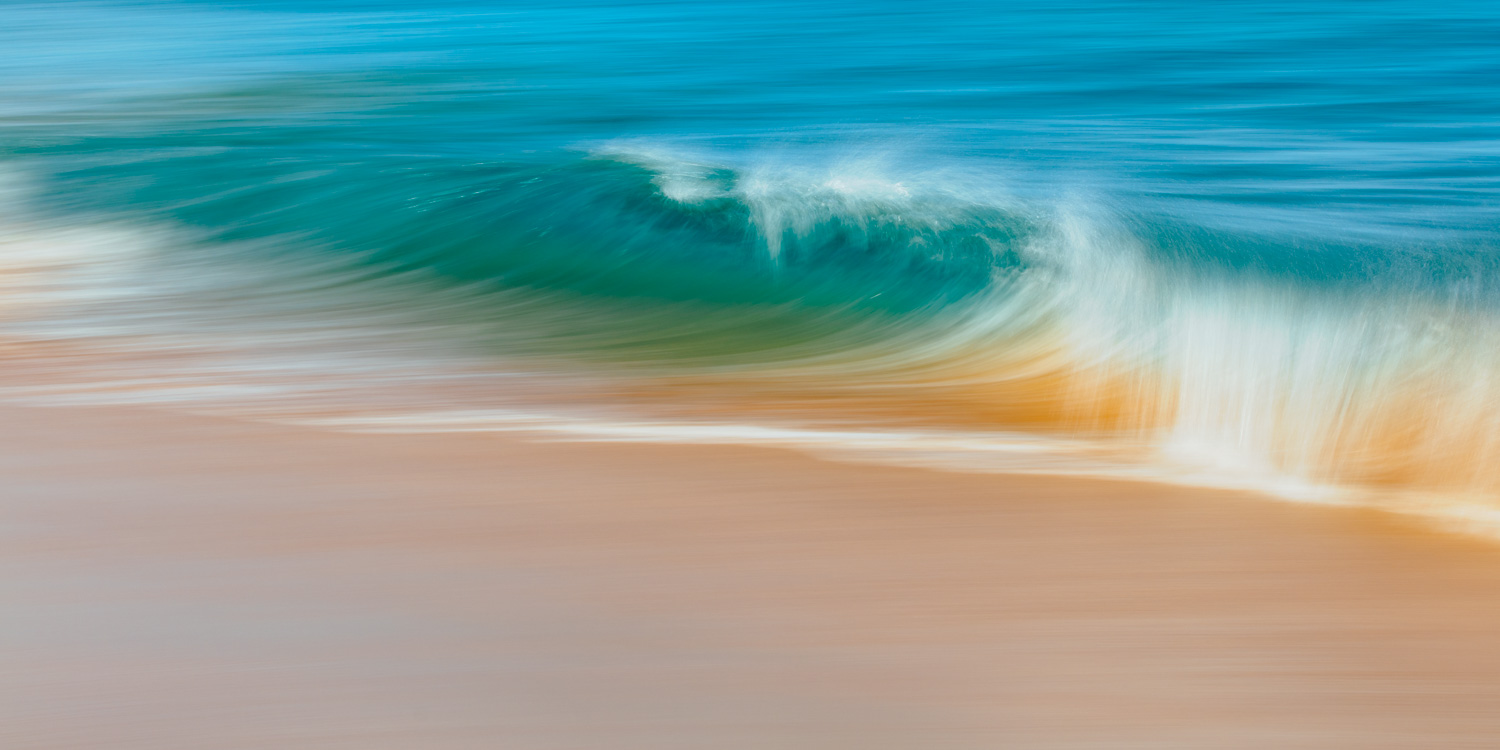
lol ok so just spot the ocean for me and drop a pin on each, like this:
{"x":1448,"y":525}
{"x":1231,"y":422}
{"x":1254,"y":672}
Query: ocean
{"x":1240,"y":244}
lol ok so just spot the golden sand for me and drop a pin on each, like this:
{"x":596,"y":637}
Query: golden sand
{"x":183,"y":582}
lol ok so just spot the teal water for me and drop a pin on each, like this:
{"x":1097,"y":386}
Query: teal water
{"x":1255,"y":236}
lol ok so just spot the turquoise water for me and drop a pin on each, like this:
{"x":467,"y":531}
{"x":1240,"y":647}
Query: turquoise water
{"x":1255,"y":236}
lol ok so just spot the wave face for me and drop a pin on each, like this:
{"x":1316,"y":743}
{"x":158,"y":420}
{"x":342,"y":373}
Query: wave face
{"x":1258,"y":241}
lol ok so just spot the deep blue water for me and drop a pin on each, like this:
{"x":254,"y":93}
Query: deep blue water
{"x":1359,"y":112}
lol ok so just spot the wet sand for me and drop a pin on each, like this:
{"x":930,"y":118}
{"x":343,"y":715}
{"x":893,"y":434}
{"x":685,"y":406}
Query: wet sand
{"x":198,"y":583}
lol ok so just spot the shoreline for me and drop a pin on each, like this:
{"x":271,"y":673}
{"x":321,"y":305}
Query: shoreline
{"x":202,"y":582}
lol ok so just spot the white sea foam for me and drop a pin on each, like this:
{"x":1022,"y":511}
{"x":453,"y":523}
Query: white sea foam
{"x":46,"y":262}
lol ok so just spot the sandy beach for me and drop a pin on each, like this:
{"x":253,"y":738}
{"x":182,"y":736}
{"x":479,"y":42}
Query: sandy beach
{"x":200,"y":583}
